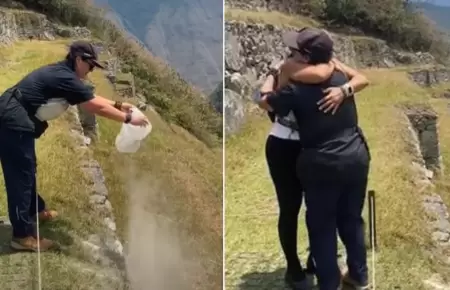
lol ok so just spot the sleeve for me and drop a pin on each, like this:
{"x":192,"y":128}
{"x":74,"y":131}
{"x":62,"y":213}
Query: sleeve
{"x":257,"y":96}
{"x":281,"y":101}
{"x":271,"y":116}
{"x":74,"y":90}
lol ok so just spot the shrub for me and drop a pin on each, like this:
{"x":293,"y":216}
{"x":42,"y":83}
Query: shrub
{"x":396,"y":21}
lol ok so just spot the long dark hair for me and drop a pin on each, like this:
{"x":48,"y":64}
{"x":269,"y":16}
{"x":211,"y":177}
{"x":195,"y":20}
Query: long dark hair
{"x":70,"y":60}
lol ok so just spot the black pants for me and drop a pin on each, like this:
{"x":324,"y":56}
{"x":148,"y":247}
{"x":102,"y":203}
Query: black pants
{"x":18,"y":159}
{"x":336,"y":204}
{"x":281,"y":155}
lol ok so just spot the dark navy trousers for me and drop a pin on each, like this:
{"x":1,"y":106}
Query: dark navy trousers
{"x":334,"y":206}
{"x":18,"y":160}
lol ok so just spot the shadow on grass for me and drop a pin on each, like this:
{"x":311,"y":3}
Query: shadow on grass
{"x":267,"y":281}
{"x":263,"y":280}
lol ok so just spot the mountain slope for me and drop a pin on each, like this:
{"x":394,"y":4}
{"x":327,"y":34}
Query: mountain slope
{"x":187,"y":34}
{"x":437,"y":13}
{"x":172,"y":97}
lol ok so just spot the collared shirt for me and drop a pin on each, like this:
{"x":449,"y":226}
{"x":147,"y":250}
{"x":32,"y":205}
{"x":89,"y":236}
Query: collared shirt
{"x":43,"y":87}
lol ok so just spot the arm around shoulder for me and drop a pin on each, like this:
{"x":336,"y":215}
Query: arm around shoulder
{"x":279,"y":101}
{"x":358,"y":81}
{"x":310,"y":74}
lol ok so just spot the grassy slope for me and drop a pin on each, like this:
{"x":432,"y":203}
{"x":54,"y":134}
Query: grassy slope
{"x":253,"y":254}
{"x":188,"y":172}
{"x":269,"y":17}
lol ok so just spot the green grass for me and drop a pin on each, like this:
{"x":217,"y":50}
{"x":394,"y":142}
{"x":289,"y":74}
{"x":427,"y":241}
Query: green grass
{"x":179,"y":180}
{"x":269,"y":17}
{"x":124,"y":78}
{"x":251,"y":209}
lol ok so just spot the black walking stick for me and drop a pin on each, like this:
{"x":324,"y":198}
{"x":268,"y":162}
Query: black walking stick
{"x":372,"y":221}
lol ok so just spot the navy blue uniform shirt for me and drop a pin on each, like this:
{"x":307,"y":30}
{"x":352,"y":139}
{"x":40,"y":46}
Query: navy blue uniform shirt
{"x":57,"y":80}
{"x":333,"y":143}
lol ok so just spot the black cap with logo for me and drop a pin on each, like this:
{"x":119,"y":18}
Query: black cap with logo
{"x":310,"y":41}
{"x":86,"y":51}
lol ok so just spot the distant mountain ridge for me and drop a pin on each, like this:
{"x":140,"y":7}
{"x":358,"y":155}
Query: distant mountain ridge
{"x":437,"y":13}
{"x":188,"y":34}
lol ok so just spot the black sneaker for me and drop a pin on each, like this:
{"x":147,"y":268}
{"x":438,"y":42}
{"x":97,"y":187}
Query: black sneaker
{"x":347,"y":280}
{"x":303,"y":284}
{"x":310,"y":276}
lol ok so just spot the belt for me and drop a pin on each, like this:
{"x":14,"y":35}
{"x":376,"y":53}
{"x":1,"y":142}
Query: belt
{"x":9,"y":95}
{"x":17,"y":94}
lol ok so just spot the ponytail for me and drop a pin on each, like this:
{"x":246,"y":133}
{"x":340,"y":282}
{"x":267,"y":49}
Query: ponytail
{"x":70,"y":60}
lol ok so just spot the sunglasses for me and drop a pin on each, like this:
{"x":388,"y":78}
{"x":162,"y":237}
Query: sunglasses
{"x":91,"y":66}
{"x":90,"y":63}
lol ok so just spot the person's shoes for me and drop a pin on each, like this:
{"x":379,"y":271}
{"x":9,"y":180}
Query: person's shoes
{"x":303,"y":284}
{"x":347,"y":280}
{"x":47,"y":215}
{"x":32,"y":244}
{"x":310,"y":277}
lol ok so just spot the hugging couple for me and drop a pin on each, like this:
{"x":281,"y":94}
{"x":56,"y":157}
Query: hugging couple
{"x":316,"y":150}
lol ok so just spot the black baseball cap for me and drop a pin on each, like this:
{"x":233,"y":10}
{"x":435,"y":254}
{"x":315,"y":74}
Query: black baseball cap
{"x":309,"y":41}
{"x":86,"y":51}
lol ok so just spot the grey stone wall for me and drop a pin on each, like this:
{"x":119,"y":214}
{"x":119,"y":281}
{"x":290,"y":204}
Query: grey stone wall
{"x":422,"y":141}
{"x":250,"y":50}
{"x":89,"y":124}
{"x":288,"y":6}
{"x":16,"y":25}
{"x":103,"y":248}
{"x":430,"y":77}
{"x":21,"y":24}
{"x":424,"y":122}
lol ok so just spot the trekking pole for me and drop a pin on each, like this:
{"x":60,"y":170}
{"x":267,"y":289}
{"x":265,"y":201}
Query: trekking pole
{"x":372,"y":221}
{"x":372,"y":232}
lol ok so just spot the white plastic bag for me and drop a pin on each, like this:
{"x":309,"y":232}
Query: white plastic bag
{"x":129,"y":138}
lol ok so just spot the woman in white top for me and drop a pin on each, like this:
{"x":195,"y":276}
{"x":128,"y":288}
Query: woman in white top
{"x":283,"y":146}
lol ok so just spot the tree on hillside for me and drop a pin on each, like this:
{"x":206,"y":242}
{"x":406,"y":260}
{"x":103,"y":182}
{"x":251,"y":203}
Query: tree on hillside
{"x":397,"y":21}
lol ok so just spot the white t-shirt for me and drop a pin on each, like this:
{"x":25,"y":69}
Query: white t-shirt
{"x":280,"y":131}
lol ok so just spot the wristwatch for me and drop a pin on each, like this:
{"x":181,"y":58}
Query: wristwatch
{"x":128,"y":118}
{"x":347,"y":90}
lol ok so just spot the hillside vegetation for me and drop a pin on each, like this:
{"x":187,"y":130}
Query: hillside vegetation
{"x":172,"y":97}
{"x":397,"y":21}
{"x":174,"y":182}
{"x":439,"y":14}
{"x":186,"y":34}
{"x":406,"y":257}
